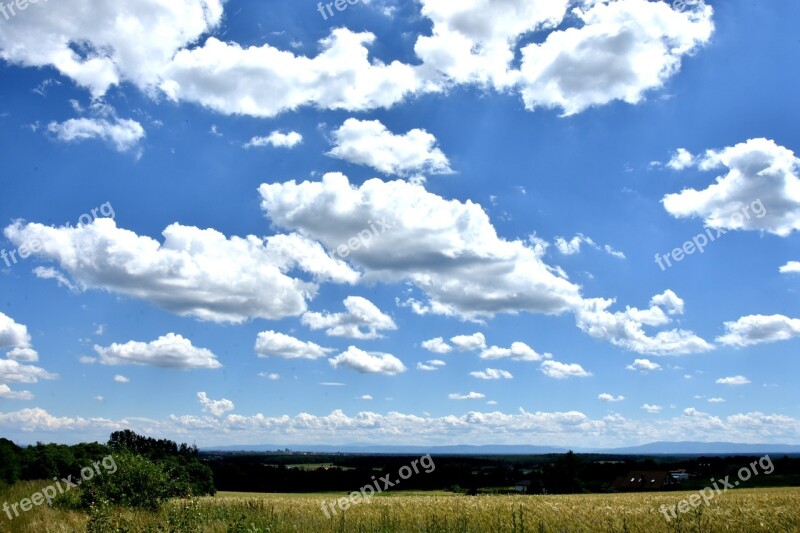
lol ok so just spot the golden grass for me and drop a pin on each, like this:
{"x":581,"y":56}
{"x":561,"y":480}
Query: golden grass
{"x":741,"y":510}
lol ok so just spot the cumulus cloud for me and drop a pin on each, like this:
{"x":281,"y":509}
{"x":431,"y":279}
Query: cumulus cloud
{"x":15,"y":372}
{"x":621,"y":50}
{"x":194,"y":272}
{"x":573,"y":246}
{"x":119,"y":378}
{"x":437,"y":345}
{"x":273,"y":344}
{"x":610,"y":398}
{"x":492,"y":373}
{"x":519,"y":351}
{"x":15,"y":336}
{"x":734,"y":381}
{"x":652,"y":408}
{"x":431,"y":366}
{"x":681,"y":159}
{"x":461,"y":264}
{"x":556,"y":370}
{"x":122,"y":134}
{"x":232,"y":79}
{"x":169,"y":351}
{"x":368,"y":363}
{"x":362,"y":320}
{"x":7,"y":393}
{"x":644,"y":366}
{"x":276,"y":139}
{"x":468,"y":396}
{"x":215,"y":407}
{"x":626,"y":328}
{"x":467,"y":343}
{"x":760,"y":329}
{"x":556,"y":428}
{"x":760,"y":191}
{"x":129,"y":41}
{"x":792,"y":267}
{"x":370,"y":143}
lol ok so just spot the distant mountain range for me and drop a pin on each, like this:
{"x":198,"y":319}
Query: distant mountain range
{"x":654,"y":448}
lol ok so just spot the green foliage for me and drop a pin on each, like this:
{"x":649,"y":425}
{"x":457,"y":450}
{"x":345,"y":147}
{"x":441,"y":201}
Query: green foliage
{"x":10,"y":467}
{"x":137,"y":483}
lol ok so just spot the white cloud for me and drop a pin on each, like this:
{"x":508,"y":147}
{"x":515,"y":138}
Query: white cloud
{"x":644,"y":366}
{"x":23,"y":355}
{"x":623,"y":49}
{"x":169,"y":351}
{"x":681,"y":159}
{"x":519,"y":351}
{"x":274,"y":344}
{"x":716,"y":400}
{"x":368,"y":363}
{"x":761,"y":190}
{"x":370,"y":143}
{"x":573,"y":246}
{"x":467,"y":343}
{"x":231,"y":79}
{"x":12,"y":334}
{"x":626,"y":328}
{"x":131,"y":41}
{"x":792,"y":267}
{"x":61,"y":279}
{"x":363,"y":320}
{"x":366,"y":397}
{"x":215,"y":407}
{"x":431,"y":366}
{"x":15,"y":372}
{"x":610,"y":398}
{"x":272,"y":376}
{"x":475,"y":42}
{"x":571,"y":428}
{"x":760,"y":329}
{"x":199,"y":273}
{"x":6,"y":392}
{"x":492,"y":373}
{"x":556,"y":370}
{"x":465,"y":269}
{"x":276,"y":139}
{"x":119,"y":378}
{"x":437,"y":345}
{"x":469,"y":396}
{"x":734,"y":381}
{"x":122,"y":134}
{"x":652,"y":408}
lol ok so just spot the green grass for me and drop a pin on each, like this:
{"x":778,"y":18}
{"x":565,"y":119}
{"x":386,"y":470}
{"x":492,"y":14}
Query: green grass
{"x":741,"y":510}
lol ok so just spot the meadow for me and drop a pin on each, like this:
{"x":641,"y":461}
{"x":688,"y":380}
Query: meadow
{"x":740,"y":510}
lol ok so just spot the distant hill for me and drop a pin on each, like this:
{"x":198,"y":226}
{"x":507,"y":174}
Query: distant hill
{"x":702,"y":448}
{"x":654,"y":448}
{"x":397,"y":450}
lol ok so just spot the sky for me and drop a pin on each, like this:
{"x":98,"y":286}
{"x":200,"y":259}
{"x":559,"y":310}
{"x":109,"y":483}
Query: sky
{"x":545,"y":222}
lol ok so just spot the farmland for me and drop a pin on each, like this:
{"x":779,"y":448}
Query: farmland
{"x":738,"y":510}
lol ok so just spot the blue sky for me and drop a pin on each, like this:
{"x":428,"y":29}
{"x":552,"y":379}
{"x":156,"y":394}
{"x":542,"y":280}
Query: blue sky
{"x":409,"y":221}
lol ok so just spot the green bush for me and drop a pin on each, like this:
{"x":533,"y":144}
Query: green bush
{"x":137,"y":483}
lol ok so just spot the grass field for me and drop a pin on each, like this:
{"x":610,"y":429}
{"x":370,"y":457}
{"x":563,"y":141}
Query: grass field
{"x":741,"y":510}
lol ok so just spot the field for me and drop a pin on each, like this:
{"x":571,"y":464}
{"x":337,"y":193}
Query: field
{"x":741,"y":510}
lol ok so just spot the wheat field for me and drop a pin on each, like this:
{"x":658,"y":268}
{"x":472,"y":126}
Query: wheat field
{"x":775,"y":510}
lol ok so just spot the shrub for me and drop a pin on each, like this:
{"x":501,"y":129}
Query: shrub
{"x":137,"y":483}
